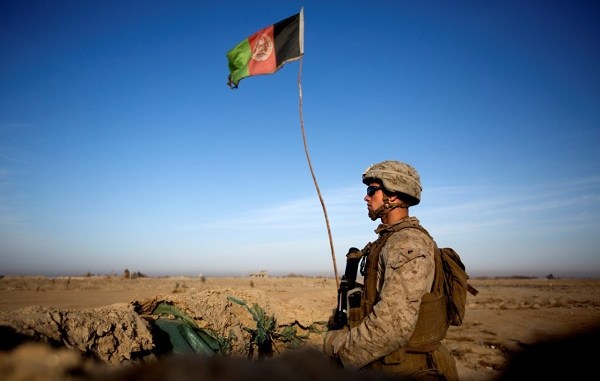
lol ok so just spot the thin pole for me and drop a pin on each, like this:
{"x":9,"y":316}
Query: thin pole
{"x":337,"y":282}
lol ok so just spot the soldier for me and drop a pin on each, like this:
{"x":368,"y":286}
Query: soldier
{"x":401,"y":320}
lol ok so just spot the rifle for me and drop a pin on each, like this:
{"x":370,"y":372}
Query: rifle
{"x":349,"y":294}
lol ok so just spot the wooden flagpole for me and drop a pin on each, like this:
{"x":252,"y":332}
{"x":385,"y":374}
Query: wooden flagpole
{"x":337,"y":281}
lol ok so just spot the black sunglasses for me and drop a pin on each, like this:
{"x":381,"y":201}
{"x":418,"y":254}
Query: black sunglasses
{"x":371,"y":189}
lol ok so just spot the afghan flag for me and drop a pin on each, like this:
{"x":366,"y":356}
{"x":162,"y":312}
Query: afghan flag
{"x":267,"y":50}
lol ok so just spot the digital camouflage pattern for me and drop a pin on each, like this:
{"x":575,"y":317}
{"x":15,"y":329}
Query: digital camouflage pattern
{"x":396,"y":176}
{"x":405,"y":273}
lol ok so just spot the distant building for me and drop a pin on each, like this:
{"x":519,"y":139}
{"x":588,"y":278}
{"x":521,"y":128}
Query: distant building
{"x":261,"y":274}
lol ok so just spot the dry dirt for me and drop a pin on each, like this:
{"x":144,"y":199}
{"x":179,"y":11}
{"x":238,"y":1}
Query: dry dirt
{"x":97,"y":324}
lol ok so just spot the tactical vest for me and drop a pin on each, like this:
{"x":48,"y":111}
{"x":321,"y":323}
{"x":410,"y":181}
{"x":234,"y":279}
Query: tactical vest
{"x":423,"y":355}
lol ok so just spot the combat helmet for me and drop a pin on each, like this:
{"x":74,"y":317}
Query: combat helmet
{"x":396,"y":177}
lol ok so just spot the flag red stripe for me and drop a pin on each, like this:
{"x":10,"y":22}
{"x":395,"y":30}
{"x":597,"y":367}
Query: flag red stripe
{"x":262,"y":45}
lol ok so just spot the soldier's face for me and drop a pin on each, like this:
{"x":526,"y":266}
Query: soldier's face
{"x":374,"y":197}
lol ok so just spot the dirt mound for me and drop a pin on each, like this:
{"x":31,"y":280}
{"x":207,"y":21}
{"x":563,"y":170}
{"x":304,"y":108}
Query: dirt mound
{"x":125,"y":331}
{"x":112,"y":334}
{"x":230,"y":313}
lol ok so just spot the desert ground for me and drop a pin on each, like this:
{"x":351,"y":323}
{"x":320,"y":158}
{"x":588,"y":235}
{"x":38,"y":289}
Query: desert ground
{"x":81,"y":327}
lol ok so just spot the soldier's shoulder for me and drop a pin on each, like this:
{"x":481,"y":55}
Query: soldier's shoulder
{"x":407,"y":243}
{"x":413,"y":234}
{"x":406,"y":247}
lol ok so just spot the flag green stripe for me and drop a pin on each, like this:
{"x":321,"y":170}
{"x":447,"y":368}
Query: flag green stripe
{"x":238,"y":61}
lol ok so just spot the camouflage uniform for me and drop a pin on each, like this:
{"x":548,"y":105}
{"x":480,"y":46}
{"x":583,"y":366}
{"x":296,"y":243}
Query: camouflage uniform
{"x":402,"y":316}
{"x":405,"y":273}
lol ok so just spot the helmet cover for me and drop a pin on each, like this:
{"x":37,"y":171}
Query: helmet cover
{"x":396,"y":177}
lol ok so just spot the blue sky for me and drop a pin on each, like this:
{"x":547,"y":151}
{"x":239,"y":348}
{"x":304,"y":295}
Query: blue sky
{"x":121,"y":145}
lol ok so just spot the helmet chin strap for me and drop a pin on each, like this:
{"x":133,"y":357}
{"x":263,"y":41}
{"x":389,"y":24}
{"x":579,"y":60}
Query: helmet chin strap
{"x":384,"y":209}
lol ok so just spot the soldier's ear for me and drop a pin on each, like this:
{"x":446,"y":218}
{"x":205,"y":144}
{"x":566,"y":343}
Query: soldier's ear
{"x":393,"y":197}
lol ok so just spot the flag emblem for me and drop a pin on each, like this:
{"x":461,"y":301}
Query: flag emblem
{"x":264,"y":48}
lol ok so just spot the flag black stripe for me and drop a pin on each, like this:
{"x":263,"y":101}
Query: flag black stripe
{"x":287,"y":39}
